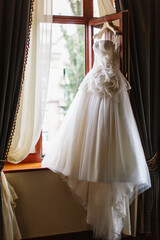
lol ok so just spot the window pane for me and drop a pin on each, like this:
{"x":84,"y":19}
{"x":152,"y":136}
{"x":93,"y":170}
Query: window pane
{"x":68,"y":7}
{"x":95,"y":9}
{"x":67,"y":72}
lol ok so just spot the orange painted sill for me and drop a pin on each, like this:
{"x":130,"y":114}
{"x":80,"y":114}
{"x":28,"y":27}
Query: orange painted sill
{"x":23,"y":167}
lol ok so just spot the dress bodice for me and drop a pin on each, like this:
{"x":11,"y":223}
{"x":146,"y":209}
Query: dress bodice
{"x":105,"y":78}
{"x":103,"y":53}
{"x":106,"y":54}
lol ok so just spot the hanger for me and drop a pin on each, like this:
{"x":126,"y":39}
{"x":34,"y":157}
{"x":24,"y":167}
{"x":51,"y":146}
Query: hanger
{"x":107,"y":25}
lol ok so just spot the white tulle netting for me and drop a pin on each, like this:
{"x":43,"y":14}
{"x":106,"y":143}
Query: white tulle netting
{"x":98,"y":149}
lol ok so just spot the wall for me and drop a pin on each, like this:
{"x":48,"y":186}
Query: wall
{"x":45,"y":205}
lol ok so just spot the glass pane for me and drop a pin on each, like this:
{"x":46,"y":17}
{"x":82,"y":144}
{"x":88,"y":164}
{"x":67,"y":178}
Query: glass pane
{"x":68,"y":7}
{"x":67,"y":72}
{"x":95,"y":9}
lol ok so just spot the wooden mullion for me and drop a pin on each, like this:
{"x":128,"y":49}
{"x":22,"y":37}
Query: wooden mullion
{"x":88,"y":14}
{"x":68,"y":19}
{"x":111,"y":17}
{"x":88,"y":9}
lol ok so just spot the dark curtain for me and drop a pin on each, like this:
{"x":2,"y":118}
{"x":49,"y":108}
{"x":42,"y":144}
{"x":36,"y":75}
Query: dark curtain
{"x":145,"y":99}
{"x":14,"y":25}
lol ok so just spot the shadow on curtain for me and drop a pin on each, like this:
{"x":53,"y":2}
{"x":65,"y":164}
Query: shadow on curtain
{"x":14,"y":25}
{"x":145,"y":99}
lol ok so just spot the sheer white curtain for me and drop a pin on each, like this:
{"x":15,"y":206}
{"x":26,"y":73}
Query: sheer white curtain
{"x":32,"y":102}
{"x":30,"y":115}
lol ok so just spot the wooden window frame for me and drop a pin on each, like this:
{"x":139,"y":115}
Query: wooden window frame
{"x":83,"y":20}
{"x":89,"y":22}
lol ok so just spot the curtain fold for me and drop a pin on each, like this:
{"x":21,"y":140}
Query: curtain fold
{"x":22,"y":105}
{"x":10,"y":225}
{"x":13,"y":35}
{"x":32,"y":104}
{"x":14,"y":27}
{"x":145,"y":99}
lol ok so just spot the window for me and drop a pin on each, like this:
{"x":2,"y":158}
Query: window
{"x":68,"y":62}
{"x":72,"y":58}
{"x":70,"y":22}
{"x":66,"y":73}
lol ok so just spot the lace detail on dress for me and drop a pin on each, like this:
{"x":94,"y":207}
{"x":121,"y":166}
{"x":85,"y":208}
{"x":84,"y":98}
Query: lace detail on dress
{"x":105,"y":78}
{"x":119,"y":213}
{"x":106,"y":81}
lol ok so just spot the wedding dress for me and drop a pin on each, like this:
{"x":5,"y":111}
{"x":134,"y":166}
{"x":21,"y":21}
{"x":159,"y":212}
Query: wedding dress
{"x":98,"y":151}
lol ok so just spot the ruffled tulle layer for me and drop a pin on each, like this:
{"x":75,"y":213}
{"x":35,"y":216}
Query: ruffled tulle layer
{"x":105,"y":80}
{"x":106,"y":205}
{"x":99,"y":142}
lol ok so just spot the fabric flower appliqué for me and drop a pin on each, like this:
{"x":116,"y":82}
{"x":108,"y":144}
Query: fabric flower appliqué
{"x":104,"y":81}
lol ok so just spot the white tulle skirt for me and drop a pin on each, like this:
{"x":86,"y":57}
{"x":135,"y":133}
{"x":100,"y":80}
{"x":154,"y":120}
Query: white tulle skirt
{"x":99,"y":154}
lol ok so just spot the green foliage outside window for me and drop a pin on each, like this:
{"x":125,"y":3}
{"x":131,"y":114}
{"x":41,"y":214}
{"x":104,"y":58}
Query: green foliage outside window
{"x":75,"y":68}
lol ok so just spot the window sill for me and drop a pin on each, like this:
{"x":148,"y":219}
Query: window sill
{"x":23,"y":167}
